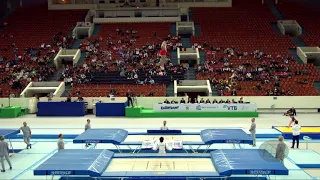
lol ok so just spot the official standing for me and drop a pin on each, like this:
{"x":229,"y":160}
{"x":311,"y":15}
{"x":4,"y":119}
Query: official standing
{"x":129,"y":98}
{"x":295,"y":134}
{"x":164,"y":127}
{"x":253,"y":131}
{"x":4,"y":153}
{"x":26,"y":134}
{"x":281,"y":148}
{"x":60,"y":142}
{"x":87,"y":127}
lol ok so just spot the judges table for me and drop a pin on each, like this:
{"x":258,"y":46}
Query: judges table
{"x":61,"y":109}
{"x":205,"y":107}
{"x":10,"y":112}
{"x":111,"y":109}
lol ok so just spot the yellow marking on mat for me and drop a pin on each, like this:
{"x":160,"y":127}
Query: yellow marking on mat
{"x":303,"y":129}
{"x":160,"y":173}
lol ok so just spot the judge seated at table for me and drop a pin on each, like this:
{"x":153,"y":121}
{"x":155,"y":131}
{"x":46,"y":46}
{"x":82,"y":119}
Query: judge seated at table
{"x":174,"y":102}
{"x":215,"y":101}
{"x":201,"y":100}
{"x":166,"y":101}
{"x":228,"y":101}
{"x":68,"y":99}
{"x":182,"y":101}
{"x":196,"y":100}
{"x":189,"y":101}
{"x":221,"y":101}
{"x":164,"y":127}
{"x":234,"y":102}
{"x":208,"y":101}
{"x":241,"y":100}
{"x":80,"y":99}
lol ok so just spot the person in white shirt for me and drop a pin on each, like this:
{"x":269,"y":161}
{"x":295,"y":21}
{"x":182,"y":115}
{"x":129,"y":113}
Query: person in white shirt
{"x":295,"y":134}
{"x":164,"y":127}
{"x":161,"y":146}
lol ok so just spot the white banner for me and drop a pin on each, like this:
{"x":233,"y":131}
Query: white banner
{"x":205,"y":107}
{"x":172,"y":144}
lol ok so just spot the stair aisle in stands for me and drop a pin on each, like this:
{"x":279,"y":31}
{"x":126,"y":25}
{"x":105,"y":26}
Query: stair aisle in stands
{"x":96,"y":29}
{"x":174,"y":57}
{"x":170,"y":90}
{"x":186,"y":42}
{"x":173,"y":31}
{"x":293,"y":52}
{"x":56,"y":75}
{"x":316,"y":84}
{"x":82,"y":59}
{"x":76,"y":44}
{"x":190,"y":74}
{"x":197,"y":29}
{"x":202,"y":55}
{"x":67,"y":91}
{"x":214,"y":91}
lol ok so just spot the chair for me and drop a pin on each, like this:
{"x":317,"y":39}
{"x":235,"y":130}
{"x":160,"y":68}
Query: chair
{"x":307,"y":139}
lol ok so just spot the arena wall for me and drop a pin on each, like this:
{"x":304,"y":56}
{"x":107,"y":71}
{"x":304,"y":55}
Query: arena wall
{"x":265,"y":104}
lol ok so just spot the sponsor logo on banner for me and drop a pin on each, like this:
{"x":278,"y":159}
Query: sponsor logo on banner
{"x":230,"y":108}
{"x":169,"y":107}
{"x":61,"y":173}
{"x":92,"y":141}
{"x":198,"y":108}
{"x":233,"y":141}
{"x":260,"y":172}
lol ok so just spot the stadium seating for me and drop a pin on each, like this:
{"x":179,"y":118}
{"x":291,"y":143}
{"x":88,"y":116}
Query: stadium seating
{"x":307,"y":15}
{"x":146,"y":33}
{"x":29,"y":28}
{"x":247,"y":28}
{"x":103,"y":90}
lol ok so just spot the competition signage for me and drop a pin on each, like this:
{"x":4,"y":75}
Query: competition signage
{"x":204,"y":107}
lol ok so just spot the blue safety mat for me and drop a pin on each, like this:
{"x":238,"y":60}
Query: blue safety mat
{"x":247,"y":161}
{"x":9,"y":132}
{"x":114,"y":136}
{"x":237,"y":136}
{"x":67,"y":162}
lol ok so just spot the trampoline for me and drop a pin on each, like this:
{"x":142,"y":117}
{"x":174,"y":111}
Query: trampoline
{"x":206,"y":137}
{"x":104,"y":163}
{"x":310,"y":131}
{"x":8,"y":134}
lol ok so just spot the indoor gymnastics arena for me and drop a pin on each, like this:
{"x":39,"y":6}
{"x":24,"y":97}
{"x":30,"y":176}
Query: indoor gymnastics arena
{"x":159,"y":89}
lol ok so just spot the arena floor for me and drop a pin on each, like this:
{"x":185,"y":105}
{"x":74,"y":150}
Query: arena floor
{"x":28,"y":159}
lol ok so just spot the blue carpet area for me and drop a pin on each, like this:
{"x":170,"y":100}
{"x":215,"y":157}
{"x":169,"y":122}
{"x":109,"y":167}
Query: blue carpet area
{"x":293,"y":52}
{"x":173,"y":27}
{"x":186,"y":42}
{"x":76,"y":44}
{"x":174,"y":57}
{"x":298,"y":41}
{"x":96,"y":29}
{"x":203,"y":58}
{"x":197,"y":30}
{"x":275,"y":11}
{"x":276,"y":29}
